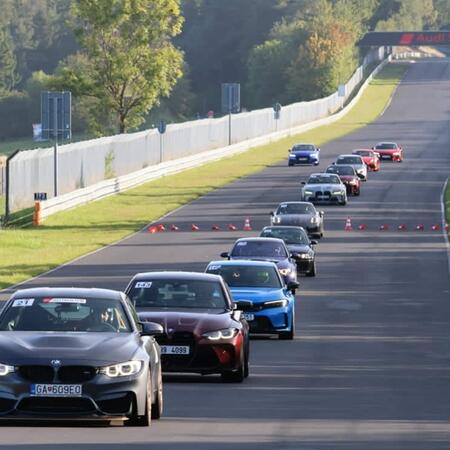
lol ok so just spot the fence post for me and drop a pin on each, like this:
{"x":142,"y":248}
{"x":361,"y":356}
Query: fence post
{"x":8,"y":181}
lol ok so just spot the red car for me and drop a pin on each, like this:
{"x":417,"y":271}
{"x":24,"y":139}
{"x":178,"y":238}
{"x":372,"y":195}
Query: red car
{"x":389,"y":150}
{"x":348,"y":176}
{"x":203,"y":333}
{"x":370,"y":158}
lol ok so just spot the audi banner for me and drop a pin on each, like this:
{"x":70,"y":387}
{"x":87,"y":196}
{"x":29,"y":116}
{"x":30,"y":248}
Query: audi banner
{"x":407,"y":38}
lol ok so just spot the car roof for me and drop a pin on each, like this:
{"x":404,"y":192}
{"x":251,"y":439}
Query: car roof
{"x":363,"y":150}
{"x":340,"y":165}
{"x":346,"y":154}
{"x":321,"y":174}
{"x":180,"y":275}
{"x":386,"y":142}
{"x":243,"y":262}
{"x":260,"y":239}
{"x":91,"y":293}
{"x":283,"y":227}
{"x":304,"y":143}
{"x":295,"y":203}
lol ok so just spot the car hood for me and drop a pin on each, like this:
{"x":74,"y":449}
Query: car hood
{"x":322,"y":187}
{"x":256,"y":295}
{"x":299,"y":248}
{"x":346,"y":178}
{"x":295,"y":219}
{"x":304,"y":153}
{"x":31,"y":347}
{"x":197,"y":321}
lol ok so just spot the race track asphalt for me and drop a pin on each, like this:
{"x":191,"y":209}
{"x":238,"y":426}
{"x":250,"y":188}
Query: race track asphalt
{"x":370,"y":366}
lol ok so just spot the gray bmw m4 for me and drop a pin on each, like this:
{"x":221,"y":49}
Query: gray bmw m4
{"x":68,"y":353}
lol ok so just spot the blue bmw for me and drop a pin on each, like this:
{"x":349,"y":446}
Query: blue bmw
{"x":305,"y":154}
{"x":258,"y":290}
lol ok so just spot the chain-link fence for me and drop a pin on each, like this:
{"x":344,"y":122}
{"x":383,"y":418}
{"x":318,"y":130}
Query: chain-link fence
{"x":84,"y":163}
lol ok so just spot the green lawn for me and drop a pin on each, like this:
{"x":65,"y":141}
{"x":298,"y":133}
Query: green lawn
{"x":27,"y":252}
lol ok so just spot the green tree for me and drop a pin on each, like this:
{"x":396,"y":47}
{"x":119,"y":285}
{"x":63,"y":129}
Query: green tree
{"x":8,"y":75}
{"x":130,"y":59}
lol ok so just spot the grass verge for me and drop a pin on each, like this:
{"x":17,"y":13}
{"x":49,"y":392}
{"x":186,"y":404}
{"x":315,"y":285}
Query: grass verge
{"x":27,"y":252}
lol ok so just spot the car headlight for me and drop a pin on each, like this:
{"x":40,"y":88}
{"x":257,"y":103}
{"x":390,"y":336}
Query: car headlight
{"x":337,"y":193}
{"x":227,"y":333}
{"x":308,"y":192}
{"x":5,"y":369}
{"x":285,"y":272}
{"x":396,"y":153}
{"x":305,"y":256}
{"x":292,"y":155}
{"x":122,"y":369}
{"x":315,"y":220}
{"x":282,"y":303}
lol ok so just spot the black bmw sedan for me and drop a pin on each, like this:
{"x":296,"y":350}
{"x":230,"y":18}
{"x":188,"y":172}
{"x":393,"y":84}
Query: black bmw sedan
{"x":78,"y":353}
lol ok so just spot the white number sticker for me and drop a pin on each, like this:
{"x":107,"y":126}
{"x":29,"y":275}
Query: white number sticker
{"x":23,"y":302}
{"x":80,"y":301}
{"x":241,"y":243}
{"x":143,"y":285}
{"x":214,"y":267}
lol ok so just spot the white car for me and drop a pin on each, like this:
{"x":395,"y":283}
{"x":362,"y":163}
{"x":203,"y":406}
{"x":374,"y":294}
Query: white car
{"x":356,"y":161}
{"x":324,"y":188}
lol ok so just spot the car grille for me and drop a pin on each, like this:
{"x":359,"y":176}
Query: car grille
{"x":261,"y":325}
{"x":53,"y":405}
{"x":64,"y":374}
{"x":177,"y":338}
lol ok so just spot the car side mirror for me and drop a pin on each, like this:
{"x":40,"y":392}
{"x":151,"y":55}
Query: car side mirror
{"x":151,"y":329}
{"x":333,"y":163}
{"x":360,"y":175}
{"x":303,"y":182}
{"x":318,"y":149}
{"x":313,"y":242}
{"x":272,"y":213}
{"x":293,"y":286}
{"x":294,"y":255}
{"x":224,"y":255}
{"x":321,"y":213}
{"x":240,"y":305}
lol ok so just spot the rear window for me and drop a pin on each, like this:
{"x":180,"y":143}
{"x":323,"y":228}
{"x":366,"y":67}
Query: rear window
{"x":290,"y":236}
{"x":341,"y":170}
{"x":295,"y":208}
{"x":386,"y":146}
{"x":247,"y":276}
{"x":349,"y":160}
{"x":259,"y":249}
{"x":175,"y":293}
{"x":364,"y":152}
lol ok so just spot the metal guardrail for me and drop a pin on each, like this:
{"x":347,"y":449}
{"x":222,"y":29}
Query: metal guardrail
{"x":120,"y":184}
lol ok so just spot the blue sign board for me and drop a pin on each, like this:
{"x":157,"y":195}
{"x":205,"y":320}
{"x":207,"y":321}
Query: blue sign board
{"x":56,"y":116}
{"x":231,"y":98}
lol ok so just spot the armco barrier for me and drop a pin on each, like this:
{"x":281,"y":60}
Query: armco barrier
{"x":122,"y":183}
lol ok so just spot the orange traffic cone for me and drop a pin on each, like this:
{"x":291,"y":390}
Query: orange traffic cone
{"x":161,"y":227}
{"x":402,"y":227}
{"x":195,"y":227}
{"x":247,"y":226}
{"x":348,"y":224}
{"x":232,"y":227}
{"x":420,"y":227}
{"x":362,"y":227}
{"x":152,"y":229}
{"x":215,"y":228}
{"x":173,"y":227}
{"x":436,"y":227}
{"x":446,"y":227}
{"x":384,"y":227}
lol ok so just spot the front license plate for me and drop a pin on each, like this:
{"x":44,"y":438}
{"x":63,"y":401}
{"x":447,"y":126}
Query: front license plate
{"x":56,"y":390}
{"x":386,"y":156}
{"x":248,"y":316}
{"x":175,"y":349}
{"x":303,"y":159}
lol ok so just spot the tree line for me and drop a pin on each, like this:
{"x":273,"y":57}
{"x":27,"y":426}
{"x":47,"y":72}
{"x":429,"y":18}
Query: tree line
{"x":130,"y":62}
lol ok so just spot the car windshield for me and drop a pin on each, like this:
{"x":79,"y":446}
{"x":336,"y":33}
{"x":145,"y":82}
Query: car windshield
{"x":364,"y":152}
{"x":386,"y":146}
{"x":324,"y":179}
{"x":247,"y":276}
{"x":65,"y":314}
{"x":349,"y":160}
{"x":295,"y":208}
{"x":178,"y":293}
{"x":303,"y":147}
{"x":259,"y":249}
{"x":290,"y":236}
{"x":341,"y":170}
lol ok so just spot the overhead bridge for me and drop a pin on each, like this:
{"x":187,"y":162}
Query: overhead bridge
{"x":406,"y":38}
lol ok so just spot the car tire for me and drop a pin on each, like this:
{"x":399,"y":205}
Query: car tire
{"x":288,"y":335}
{"x":343,"y":203}
{"x":146,"y":419}
{"x":290,"y":165}
{"x":158,"y":405}
{"x":358,"y":192}
{"x":313,"y":271}
{"x":235,"y":376}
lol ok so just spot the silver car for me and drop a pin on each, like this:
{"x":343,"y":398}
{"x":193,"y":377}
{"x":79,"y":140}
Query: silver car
{"x":300,"y":214}
{"x":356,"y":162}
{"x":324,"y":188}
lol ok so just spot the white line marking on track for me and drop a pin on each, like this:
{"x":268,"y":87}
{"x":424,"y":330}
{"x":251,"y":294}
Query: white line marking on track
{"x":444,"y":222}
